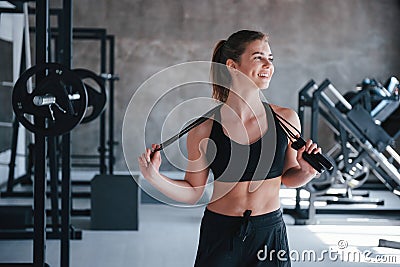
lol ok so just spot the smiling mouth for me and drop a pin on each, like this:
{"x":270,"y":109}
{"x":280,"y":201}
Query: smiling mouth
{"x":263,"y":75}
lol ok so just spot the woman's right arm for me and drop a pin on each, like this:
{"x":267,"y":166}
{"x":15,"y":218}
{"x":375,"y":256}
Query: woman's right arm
{"x":192,"y":187}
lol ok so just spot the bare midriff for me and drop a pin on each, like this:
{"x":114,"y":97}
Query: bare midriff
{"x":233,"y":199}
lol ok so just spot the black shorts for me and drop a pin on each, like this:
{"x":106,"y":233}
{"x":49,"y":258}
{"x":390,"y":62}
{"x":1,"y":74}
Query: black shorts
{"x":242,"y":240}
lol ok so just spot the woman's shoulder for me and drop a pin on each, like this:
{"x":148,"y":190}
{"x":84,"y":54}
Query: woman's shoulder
{"x":202,"y":130}
{"x":287,"y":113}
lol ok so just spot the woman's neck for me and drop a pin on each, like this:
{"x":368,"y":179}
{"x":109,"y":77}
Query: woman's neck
{"x":245,"y":105}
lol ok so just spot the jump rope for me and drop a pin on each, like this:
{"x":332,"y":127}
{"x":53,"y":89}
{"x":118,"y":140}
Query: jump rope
{"x":318,"y":161}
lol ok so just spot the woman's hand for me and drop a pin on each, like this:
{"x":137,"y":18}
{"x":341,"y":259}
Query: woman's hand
{"x":149,"y":166}
{"x":309,"y":148}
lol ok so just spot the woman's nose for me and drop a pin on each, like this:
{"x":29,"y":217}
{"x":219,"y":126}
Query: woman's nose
{"x":267,"y":64}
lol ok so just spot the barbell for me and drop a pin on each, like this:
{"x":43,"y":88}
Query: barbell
{"x":61,"y":98}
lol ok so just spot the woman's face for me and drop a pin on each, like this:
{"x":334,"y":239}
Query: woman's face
{"x":256,"y":63}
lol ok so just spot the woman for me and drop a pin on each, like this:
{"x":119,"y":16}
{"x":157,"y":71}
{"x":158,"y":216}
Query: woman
{"x":243,"y":219}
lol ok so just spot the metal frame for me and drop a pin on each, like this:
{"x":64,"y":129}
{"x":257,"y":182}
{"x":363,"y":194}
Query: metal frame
{"x":342,"y":126}
{"x":104,"y":146}
{"x":39,"y":216}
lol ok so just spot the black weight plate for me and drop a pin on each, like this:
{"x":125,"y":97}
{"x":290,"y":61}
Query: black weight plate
{"x":59,"y":82}
{"x":97,"y":97}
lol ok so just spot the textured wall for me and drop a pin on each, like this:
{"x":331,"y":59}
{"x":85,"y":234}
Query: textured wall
{"x":343,"y":40}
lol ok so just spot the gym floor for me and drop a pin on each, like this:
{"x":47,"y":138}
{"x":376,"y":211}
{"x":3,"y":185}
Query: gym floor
{"x":168,"y":236}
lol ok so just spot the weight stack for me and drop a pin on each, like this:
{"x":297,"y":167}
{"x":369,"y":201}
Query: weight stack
{"x":114,"y":202}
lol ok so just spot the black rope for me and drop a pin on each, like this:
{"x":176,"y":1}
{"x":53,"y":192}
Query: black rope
{"x":287,"y":131}
{"x":192,"y":125}
{"x":318,"y":161}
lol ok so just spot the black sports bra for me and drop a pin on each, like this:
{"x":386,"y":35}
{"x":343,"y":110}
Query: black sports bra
{"x":260,"y":160}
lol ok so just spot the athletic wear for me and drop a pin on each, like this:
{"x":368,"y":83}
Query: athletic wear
{"x":234,"y":162}
{"x":246,"y":241}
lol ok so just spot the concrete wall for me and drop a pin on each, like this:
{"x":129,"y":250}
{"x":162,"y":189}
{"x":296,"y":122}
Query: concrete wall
{"x":343,"y":40}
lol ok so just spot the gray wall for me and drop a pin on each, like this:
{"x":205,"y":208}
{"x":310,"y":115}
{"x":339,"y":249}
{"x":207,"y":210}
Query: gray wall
{"x":343,"y":40}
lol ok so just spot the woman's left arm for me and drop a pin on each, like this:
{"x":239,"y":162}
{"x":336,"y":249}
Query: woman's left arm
{"x":296,"y":171}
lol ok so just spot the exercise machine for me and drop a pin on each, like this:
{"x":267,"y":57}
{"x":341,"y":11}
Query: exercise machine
{"x":362,"y":143}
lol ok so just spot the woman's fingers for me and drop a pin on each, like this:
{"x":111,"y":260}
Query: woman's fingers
{"x":147,"y":155}
{"x":146,"y":158}
{"x":311,"y":147}
{"x":318,"y":150}
{"x":142,"y":162}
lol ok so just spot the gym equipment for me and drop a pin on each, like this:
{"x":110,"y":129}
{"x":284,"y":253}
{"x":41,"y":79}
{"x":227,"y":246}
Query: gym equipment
{"x":363,"y":144}
{"x":368,"y":138}
{"x":67,"y":100}
{"x":95,"y":108}
{"x":318,"y":161}
{"x":105,"y":156}
{"x":96,"y":101}
{"x":389,"y":244}
{"x":15,"y":217}
{"x":60,"y":98}
{"x":106,"y":159}
{"x":51,"y":111}
{"x":114,"y":202}
{"x":97,"y":97}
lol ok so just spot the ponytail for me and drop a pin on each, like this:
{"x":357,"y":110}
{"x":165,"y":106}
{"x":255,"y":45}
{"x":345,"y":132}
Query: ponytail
{"x":219,"y":73}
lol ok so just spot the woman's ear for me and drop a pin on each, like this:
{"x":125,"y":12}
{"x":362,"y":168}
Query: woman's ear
{"x":231,"y":66}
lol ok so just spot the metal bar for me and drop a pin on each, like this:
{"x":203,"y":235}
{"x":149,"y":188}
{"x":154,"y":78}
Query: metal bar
{"x":80,"y":156}
{"x":11,"y":170}
{"x":78,"y":33}
{"x":25,"y":234}
{"x":28,"y":194}
{"x":304,"y":100}
{"x":331,"y":123}
{"x":314,"y":116}
{"x":340,"y":97}
{"x":393,"y":153}
{"x":7,"y":84}
{"x":111,"y":107}
{"x":345,"y":150}
{"x":385,"y":164}
{"x":102,"y":148}
{"x":27,"y":47}
{"x":86,"y":165}
{"x":339,"y":116}
{"x":53,"y":182}
{"x":388,"y":182}
{"x":39,"y":240}
{"x":6,"y":124}
{"x":9,"y":10}
{"x":66,"y":143}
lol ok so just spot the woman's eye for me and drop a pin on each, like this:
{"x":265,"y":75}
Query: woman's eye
{"x":260,"y":58}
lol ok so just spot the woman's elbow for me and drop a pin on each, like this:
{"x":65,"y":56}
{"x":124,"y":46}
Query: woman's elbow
{"x":193,"y":197}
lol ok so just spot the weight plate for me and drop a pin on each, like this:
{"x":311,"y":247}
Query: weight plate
{"x":96,"y":91}
{"x":59,"y":83}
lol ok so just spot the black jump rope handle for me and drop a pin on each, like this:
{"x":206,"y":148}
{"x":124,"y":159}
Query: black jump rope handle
{"x":318,"y":161}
